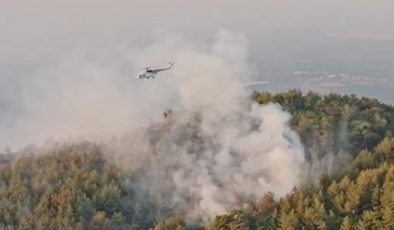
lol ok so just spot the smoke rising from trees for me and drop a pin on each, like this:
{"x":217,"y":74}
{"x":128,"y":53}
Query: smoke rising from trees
{"x":216,"y":152}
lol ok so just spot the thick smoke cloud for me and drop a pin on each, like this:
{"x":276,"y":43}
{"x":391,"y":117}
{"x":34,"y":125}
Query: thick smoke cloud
{"x":67,"y":67}
{"x":216,"y":151}
{"x":210,"y":171}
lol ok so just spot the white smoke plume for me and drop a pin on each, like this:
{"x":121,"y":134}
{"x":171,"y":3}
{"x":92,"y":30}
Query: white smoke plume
{"x":215,"y":153}
{"x":210,"y":171}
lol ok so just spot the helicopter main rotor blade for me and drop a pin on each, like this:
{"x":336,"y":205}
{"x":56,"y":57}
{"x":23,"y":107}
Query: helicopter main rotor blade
{"x":256,"y":83}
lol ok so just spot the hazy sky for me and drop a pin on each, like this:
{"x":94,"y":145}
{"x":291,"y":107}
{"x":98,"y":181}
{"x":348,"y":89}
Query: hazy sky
{"x":342,"y":46}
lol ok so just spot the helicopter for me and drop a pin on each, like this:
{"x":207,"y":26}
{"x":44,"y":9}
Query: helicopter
{"x":150,"y":72}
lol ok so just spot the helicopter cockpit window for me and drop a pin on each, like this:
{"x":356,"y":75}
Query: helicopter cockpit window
{"x":149,"y":71}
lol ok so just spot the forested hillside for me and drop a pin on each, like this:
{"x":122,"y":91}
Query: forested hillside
{"x":335,"y":122}
{"x":361,"y":199}
{"x":75,"y":186}
{"x":72,"y":187}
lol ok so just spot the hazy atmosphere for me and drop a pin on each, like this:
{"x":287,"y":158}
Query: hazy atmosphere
{"x":49,"y":47}
{"x":238,"y":129}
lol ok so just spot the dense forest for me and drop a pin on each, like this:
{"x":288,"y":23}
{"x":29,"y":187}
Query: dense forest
{"x":74,"y":186}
